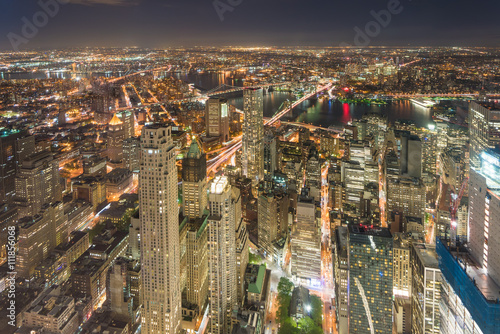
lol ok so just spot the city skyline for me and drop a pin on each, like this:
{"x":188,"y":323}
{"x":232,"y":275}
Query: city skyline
{"x":331,"y":188}
{"x":155,"y":23}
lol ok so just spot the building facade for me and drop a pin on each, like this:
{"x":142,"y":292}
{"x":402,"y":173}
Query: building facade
{"x":426,"y":290}
{"x":225,"y":210}
{"x":370,"y":279}
{"x":484,"y":125}
{"x":306,"y":242}
{"x":253,"y":135}
{"x":217,"y":118}
{"x":194,"y":182}
{"x":160,"y":259}
{"x":484,"y":213}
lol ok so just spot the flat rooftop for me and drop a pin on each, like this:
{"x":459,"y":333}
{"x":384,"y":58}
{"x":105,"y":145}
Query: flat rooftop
{"x":369,"y":230}
{"x":427,"y":255}
{"x":341,"y":236}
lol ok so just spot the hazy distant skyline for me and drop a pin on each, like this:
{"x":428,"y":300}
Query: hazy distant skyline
{"x":165,"y":23}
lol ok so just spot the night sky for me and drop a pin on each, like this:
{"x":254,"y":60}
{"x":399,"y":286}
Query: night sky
{"x":164,"y":23}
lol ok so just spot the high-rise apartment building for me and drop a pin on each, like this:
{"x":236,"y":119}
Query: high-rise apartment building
{"x":313,"y":174}
{"x":484,"y":213}
{"x":37,"y":183}
{"x":267,"y":221}
{"x":128,"y":119}
{"x":253,"y":135}
{"x":409,"y":150}
{"x":306,"y":242}
{"x":429,"y":152}
{"x":242,"y":244}
{"x":225,"y":211}
{"x":341,"y":273}
{"x":370,"y":279}
{"x":426,"y":290}
{"x":131,"y":154}
{"x":116,"y":135}
{"x":406,"y":195}
{"x":270,"y":155}
{"x":159,"y":215}
{"x":272,"y":210}
{"x":484,"y":129}
{"x":217,"y":118}
{"x":194,"y":182}
{"x":197,"y":261}
{"x":38,"y":236}
{"x":15,"y":146}
{"x":402,"y":268}
{"x":353,"y":177}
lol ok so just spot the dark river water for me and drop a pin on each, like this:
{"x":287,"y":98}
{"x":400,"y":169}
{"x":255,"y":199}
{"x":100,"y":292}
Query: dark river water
{"x":320,"y":112}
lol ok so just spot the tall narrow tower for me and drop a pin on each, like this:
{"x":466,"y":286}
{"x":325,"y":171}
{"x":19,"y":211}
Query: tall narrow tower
{"x":194,"y":182}
{"x":225,"y":210}
{"x":159,"y":216}
{"x":116,"y":135}
{"x":253,"y":135}
{"x":217,"y":118}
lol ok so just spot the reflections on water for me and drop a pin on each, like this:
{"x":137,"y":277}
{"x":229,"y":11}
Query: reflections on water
{"x":324,"y":112}
{"x":320,"y":112}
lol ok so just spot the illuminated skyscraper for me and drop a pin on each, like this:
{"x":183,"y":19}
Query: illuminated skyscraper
{"x":194,"y":182}
{"x":253,"y":135}
{"x":242,"y":244}
{"x":370,"y":279}
{"x":225,"y":210}
{"x":313,"y":174}
{"x":159,"y":215}
{"x":267,"y":221}
{"x":402,"y":269}
{"x":37,"y":183}
{"x":273,"y":205}
{"x":426,"y":290}
{"x":131,"y":153}
{"x":406,"y":195}
{"x":270,"y":155}
{"x":217,"y":118}
{"x":469,"y":297}
{"x":128,"y":119}
{"x":197,"y":261}
{"x":484,"y":125}
{"x":15,"y":146}
{"x":484,"y":210}
{"x":409,"y":151}
{"x":306,"y":242}
{"x":341,"y":271}
{"x":116,"y":135}
{"x":39,"y":235}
